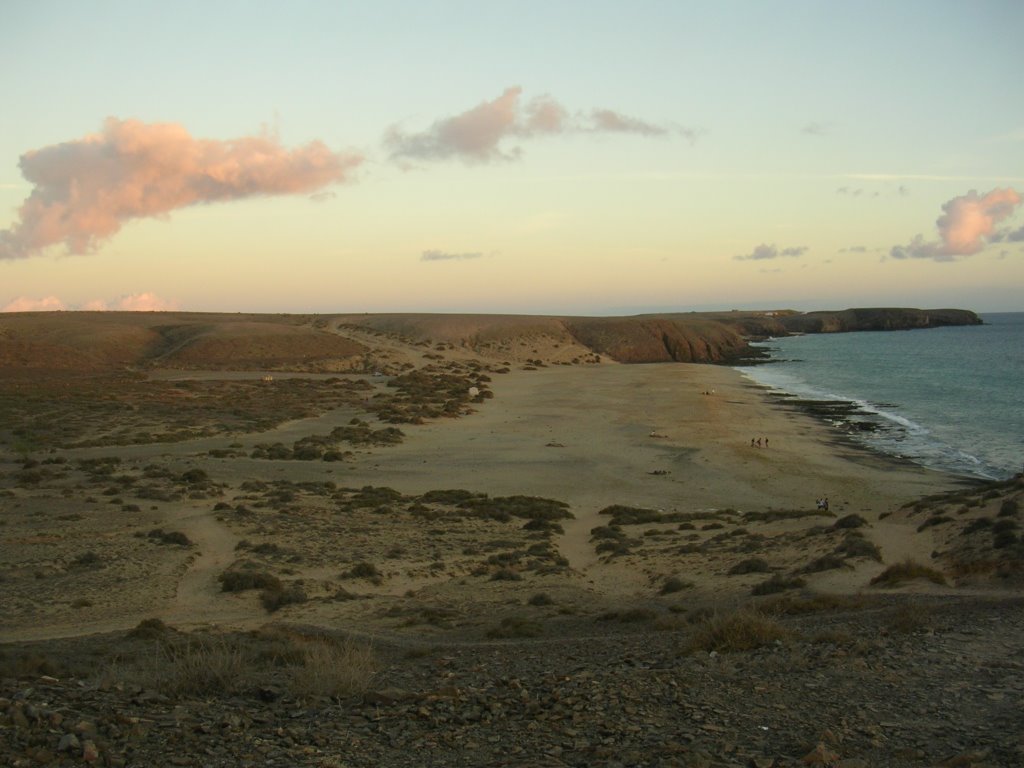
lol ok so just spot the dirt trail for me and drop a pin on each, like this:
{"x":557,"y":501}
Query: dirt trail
{"x":198,"y":600}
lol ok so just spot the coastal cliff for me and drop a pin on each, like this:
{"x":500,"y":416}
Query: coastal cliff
{"x":724,"y":337}
{"x":102,"y":341}
{"x":877,"y":319}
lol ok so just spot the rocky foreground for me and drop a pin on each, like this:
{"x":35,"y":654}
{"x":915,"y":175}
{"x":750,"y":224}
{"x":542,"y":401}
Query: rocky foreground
{"x":885,"y":682}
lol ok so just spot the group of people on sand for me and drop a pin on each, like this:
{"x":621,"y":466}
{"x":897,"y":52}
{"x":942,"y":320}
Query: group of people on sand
{"x":756,"y":442}
{"x":823,"y":504}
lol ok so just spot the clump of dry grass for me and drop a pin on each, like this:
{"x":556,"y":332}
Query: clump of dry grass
{"x":334,"y":669}
{"x":742,"y":630}
{"x":196,"y":667}
{"x":908,"y":570}
{"x":216,"y":665}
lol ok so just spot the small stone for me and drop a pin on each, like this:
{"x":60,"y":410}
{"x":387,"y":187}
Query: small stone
{"x":820,"y":755}
{"x":68,"y":742}
{"x":388,"y":696}
{"x":85,"y":728}
{"x":44,"y":756}
{"x":89,"y":752}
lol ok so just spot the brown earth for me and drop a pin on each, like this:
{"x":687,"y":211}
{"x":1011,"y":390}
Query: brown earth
{"x":554,"y":559}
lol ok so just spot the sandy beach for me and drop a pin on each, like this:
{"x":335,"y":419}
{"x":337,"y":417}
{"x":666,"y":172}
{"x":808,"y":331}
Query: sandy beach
{"x":674,"y":438}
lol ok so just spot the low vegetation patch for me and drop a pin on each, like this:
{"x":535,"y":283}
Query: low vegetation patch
{"x":179,"y":665}
{"x":857,"y":546}
{"x":674,"y":584}
{"x":824,"y":563}
{"x":908,"y":570}
{"x":170,"y":537}
{"x":741,"y":630}
{"x":778,"y":583}
{"x":515,"y":627}
{"x":245,"y":578}
{"x":750,"y":565}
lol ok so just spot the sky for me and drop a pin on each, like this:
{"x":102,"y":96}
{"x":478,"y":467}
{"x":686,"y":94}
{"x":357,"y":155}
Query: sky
{"x":574,"y":158}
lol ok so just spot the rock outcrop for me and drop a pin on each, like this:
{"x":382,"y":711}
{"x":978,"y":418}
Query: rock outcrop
{"x":877,"y":319}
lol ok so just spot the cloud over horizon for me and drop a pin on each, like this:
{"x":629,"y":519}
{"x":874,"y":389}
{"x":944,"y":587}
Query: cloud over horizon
{"x":967,"y":225}
{"x":85,"y":190}
{"x":134,"y":302}
{"x":434,"y":255}
{"x":477,"y":134}
{"x":765,"y":252}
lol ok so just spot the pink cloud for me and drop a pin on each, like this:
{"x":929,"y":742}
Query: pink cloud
{"x":85,"y":190}
{"x":477,"y":135}
{"x":967,"y":225}
{"x":27,"y":304}
{"x":135,"y":302}
{"x":615,"y":122}
{"x":144,"y":302}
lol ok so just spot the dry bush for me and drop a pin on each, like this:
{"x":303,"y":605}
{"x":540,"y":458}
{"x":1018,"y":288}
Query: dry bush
{"x":849,"y":521}
{"x":196,"y":667}
{"x":750,"y":565}
{"x":204,"y":665}
{"x":275,"y":599}
{"x":778,"y":583}
{"x":742,"y":630}
{"x":334,"y":668}
{"x":244,"y":579}
{"x":674,"y":584}
{"x":856,"y":546}
{"x":908,"y":570}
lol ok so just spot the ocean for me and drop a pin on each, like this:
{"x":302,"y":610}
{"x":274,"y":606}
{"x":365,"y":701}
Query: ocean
{"x":951,"y":399}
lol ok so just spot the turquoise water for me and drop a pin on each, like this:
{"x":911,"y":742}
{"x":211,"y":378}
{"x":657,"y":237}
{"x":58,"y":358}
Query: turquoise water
{"x":948,"y":398}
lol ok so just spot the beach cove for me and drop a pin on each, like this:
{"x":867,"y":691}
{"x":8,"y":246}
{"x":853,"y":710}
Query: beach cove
{"x":475,"y":541}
